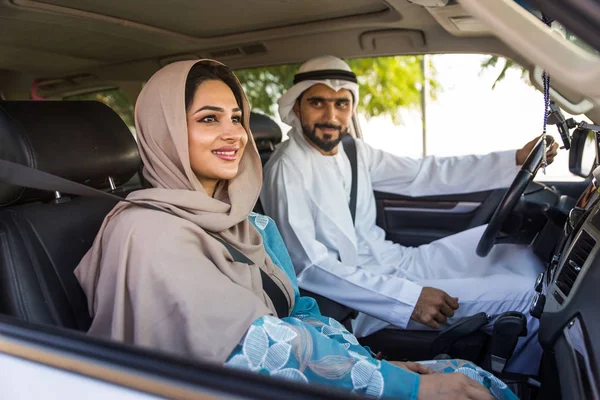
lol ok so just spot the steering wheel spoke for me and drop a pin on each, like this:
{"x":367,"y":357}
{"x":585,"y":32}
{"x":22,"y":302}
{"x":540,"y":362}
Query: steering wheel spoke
{"x":492,"y":233}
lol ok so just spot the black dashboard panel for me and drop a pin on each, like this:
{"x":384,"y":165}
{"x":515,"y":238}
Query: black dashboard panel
{"x":570,"y":323}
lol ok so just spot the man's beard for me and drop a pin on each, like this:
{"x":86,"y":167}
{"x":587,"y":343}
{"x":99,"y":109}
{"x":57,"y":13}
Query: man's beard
{"x":326,"y":143}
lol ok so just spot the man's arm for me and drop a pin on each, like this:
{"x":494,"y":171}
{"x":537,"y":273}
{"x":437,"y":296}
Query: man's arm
{"x":438,"y":175}
{"x":288,"y":202}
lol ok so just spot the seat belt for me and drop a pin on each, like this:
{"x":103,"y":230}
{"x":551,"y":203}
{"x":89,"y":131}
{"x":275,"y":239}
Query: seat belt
{"x":350,"y":150}
{"x":327,"y":306}
{"x":21,"y":175}
{"x":280,"y":301}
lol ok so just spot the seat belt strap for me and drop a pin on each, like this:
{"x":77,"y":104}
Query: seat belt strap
{"x":277,"y":296}
{"x":350,"y":149}
{"x":21,"y":175}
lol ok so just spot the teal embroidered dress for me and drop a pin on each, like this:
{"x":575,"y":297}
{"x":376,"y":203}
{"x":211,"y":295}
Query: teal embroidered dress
{"x":308,"y":347}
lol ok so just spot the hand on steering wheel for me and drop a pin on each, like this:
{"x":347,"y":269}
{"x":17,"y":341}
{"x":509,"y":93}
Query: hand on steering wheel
{"x":528,"y":170}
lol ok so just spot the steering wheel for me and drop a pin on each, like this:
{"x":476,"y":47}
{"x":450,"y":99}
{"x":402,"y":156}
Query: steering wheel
{"x":530,"y":167}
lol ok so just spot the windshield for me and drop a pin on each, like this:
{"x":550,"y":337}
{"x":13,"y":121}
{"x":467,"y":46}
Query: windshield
{"x":557,"y":26}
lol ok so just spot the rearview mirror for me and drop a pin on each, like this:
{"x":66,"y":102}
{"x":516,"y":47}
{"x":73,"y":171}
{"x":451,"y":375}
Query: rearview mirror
{"x":583,"y":154}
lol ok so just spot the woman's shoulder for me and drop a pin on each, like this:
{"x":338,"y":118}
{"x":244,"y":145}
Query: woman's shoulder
{"x":143,"y":222}
{"x":160,"y":235}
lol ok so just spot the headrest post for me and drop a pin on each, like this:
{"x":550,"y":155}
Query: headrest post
{"x":82,"y":141}
{"x":58,"y":199}
{"x":112,"y":184}
{"x":266,"y":132}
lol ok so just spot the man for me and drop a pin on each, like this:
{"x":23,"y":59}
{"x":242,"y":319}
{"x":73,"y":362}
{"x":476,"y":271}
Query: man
{"x":307,"y":189}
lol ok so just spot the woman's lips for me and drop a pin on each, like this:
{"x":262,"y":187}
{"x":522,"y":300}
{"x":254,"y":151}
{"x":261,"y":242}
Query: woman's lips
{"x":226,"y":154}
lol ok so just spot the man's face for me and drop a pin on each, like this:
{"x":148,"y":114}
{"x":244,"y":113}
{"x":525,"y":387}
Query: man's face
{"x":325,"y":116}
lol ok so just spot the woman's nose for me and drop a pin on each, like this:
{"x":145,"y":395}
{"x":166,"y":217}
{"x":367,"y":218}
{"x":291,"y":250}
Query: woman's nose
{"x":232,"y":131}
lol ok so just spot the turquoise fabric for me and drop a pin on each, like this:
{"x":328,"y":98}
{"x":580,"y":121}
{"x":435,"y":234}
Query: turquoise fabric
{"x":308,"y":347}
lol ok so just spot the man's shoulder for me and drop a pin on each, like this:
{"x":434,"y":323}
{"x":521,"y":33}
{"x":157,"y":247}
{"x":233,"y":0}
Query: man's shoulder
{"x":361,"y":145}
{"x":282,"y":159}
{"x":282,"y":151}
{"x":369,"y":152}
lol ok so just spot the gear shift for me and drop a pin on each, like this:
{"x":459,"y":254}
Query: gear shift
{"x":507,"y":329}
{"x":446,"y":338}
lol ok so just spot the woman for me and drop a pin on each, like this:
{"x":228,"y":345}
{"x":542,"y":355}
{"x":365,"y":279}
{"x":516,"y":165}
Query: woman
{"x":158,"y":274}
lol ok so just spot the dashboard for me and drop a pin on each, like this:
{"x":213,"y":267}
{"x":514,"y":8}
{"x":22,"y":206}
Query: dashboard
{"x":568,"y":302}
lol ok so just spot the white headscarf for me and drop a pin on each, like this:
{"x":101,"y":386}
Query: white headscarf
{"x":323,"y":63}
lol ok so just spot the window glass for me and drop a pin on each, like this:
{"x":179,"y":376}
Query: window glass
{"x":469,"y":104}
{"x":115,"y":99}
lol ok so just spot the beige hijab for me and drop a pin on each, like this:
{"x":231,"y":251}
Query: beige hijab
{"x":160,"y":280}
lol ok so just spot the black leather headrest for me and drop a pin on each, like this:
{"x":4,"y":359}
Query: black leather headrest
{"x":84,"y":141}
{"x":266,"y":132}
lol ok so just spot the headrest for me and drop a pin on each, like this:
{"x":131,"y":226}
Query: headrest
{"x":266,"y":132}
{"x":84,"y":141}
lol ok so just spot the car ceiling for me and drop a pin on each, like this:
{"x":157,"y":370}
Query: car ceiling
{"x":131,"y":39}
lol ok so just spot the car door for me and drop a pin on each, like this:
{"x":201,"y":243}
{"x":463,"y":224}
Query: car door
{"x":413,"y":221}
{"x":40,"y":361}
{"x":478,"y":111}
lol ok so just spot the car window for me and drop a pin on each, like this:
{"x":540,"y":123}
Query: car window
{"x":115,"y":99}
{"x":479,"y":106}
{"x":469,"y":104}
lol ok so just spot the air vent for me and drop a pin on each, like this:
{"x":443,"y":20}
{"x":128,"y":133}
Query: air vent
{"x":574,"y":262}
{"x":256,"y":48}
{"x":225,"y":53}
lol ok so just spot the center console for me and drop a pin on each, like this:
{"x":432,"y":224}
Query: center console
{"x":568,"y":302}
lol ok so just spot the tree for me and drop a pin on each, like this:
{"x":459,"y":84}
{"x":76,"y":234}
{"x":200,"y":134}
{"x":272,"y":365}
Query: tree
{"x":385,"y":84}
{"x":492,"y":62}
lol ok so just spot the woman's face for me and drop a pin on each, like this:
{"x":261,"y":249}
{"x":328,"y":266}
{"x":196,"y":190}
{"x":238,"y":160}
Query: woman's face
{"x":216,"y":136}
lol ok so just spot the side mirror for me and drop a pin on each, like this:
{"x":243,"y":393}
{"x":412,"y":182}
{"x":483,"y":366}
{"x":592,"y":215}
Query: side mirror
{"x":583,"y":154}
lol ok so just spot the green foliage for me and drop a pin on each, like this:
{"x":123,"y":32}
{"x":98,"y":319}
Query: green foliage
{"x":263,"y":86}
{"x":494,"y":61}
{"x":385,"y":84}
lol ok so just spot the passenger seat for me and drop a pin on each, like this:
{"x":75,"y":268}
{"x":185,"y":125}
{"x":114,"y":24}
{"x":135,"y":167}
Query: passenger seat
{"x":44,"y":235}
{"x":267,"y":134}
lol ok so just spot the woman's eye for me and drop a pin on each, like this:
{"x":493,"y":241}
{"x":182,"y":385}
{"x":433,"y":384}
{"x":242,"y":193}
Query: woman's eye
{"x":208,"y":118}
{"x":236,"y":120}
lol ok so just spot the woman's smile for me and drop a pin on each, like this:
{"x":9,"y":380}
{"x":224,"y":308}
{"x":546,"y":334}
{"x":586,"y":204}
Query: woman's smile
{"x":228,"y":153}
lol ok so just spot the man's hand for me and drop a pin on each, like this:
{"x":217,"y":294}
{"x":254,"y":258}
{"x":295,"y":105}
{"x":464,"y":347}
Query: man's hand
{"x":454,"y":386}
{"x":522,"y":154}
{"x":434,"y":307}
{"x":413,"y":367}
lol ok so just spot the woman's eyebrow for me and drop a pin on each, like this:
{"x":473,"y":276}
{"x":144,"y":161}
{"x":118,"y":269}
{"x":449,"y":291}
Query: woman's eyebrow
{"x":214,"y":108}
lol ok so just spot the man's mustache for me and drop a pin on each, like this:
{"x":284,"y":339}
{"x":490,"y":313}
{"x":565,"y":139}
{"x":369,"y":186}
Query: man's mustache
{"x":329,"y":126}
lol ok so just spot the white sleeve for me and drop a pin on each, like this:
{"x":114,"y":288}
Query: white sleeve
{"x":387,"y":297}
{"x":432,"y":175}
